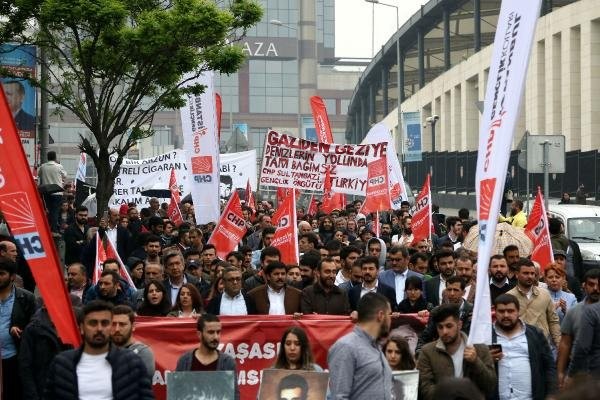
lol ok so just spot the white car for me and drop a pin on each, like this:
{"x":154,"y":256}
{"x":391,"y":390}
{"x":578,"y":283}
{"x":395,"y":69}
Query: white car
{"x":582,"y":225}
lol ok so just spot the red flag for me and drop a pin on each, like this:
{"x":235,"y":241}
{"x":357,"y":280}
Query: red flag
{"x":376,"y":225}
{"x":111,"y":252}
{"x":331,"y":201}
{"x":286,"y":234}
{"x":421,"y":214}
{"x":538,"y":232}
{"x":23,"y":211}
{"x":378,"y":193}
{"x":250,"y":197}
{"x":312,"y":206}
{"x":173,"y":212}
{"x":231,"y":228}
{"x":319,"y":112}
{"x":100,"y":258}
{"x":218,"y":110}
{"x":280,"y":195}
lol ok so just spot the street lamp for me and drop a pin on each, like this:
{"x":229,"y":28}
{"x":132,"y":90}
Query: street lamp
{"x":277,"y":22}
{"x":432,"y":121}
{"x":373,"y":21}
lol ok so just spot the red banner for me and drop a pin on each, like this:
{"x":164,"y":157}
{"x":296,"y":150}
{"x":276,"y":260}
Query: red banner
{"x":104,"y":253}
{"x":173,"y":212}
{"x":376,"y":225}
{"x":319,"y":112}
{"x":231,"y":228}
{"x":250,"y":197}
{"x":286,"y":234}
{"x":22,"y":208}
{"x":331,"y":201}
{"x":421,"y":213}
{"x":312,"y":206}
{"x":100,"y":258}
{"x":539,"y":233}
{"x":378,"y":193}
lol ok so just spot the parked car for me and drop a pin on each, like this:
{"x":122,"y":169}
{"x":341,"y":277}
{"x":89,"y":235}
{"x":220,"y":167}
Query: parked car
{"x":582,"y":225}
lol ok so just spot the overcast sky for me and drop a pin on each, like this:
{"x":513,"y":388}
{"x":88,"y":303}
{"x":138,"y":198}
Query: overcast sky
{"x":353,"y":26}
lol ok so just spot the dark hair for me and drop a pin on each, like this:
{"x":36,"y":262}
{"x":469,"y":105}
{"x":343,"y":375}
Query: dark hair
{"x":451,"y":221}
{"x":456,"y":279}
{"x":114,"y":274}
{"x":239,"y":256}
{"x":191,"y":252}
{"x":399,"y":249}
{"x":152,"y":238}
{"x":510,"y":247}
{"x":369,"y":260}
{"x":346,"y":251}
{"x":369,"y":305}
{"x":407,"y":362}
{"x":245,"y":249}
{"x":554,"y":225}
{"x":518,"y":203}
{"x":291,"y":382}
{"x":306,"y":357}
{"x":203,"y":319}
{"x":311,"y":237}
{"x":440,"y":313}
{"x":463,"y":213}
{"x":268,"y":230}
{"x":226,"y":179}
{"x":95,"y":306}
{"x":273,"y":266}
{"x":418,"y":256}
{"x":443,"y":254}
{"x":51,"y":155}
{"x":124,"y":309}
{"x":333,"y":245}
{"x":194,"y":293}
{"x":325,"y":260}
{"x":269,"y":252}
{"x":160,"y":310}
{"x":523,"y":262}
{"x":80,"y":209}
{"x":413,"y":282}
{"x":155,"y":221}
{"x":311,"y":259}
{"x":497,"y":257}
{"x":209,"y":246}
{"x":593,"y":273}
{"x":111,"y":261}
{"x":506,"y":298}
{"x":457,"y":389}
{"x":8,"y":265}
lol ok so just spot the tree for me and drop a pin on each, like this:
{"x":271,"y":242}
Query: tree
{"x":115,"y":63}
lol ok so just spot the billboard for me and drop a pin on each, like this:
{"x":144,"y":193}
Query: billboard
{"x":411,"y":122}
{"x":20,"y":61}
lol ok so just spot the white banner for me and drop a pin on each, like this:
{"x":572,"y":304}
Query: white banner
{"x":199,"y":126}
{"x":514,"y":34}
{"x":380,"y":133}
{"x":136,"y":176}
{"x":290,"y":162}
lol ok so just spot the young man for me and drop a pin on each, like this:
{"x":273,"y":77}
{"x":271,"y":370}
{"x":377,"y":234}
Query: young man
{"x":348,"y":256}
{"x":396,"y":276}
{"x":274,"y":298}
{"x":207,"y":357}
{"x":370,"y":284}
{"x":525,"y":364}
{"x":434,"y":288}
{"x":323,"y":297}
{"x":498,"y":271}
{"x":451,"y":357}
{"x":358,"y":368}
{"x":97,"y":369}
{"x":121,"y":334}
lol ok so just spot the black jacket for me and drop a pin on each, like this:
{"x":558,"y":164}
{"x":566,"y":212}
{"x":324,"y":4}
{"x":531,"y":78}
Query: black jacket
{"x":214,"y":305}
{"x":23,"y":310}
{"x":388,"y":292}
{"x":39,"y":345}
{"x":130,"y":380}
{"x":543,"y":368}
{"x":430,"y":334}
{"x":73,"y":249}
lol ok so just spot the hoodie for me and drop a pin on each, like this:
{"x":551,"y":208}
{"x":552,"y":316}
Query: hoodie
{"x":383,"y":254}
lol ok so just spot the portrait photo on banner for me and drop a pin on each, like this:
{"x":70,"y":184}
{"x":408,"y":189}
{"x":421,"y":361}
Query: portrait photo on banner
{"x":200,"y":385}
{"x":284,"y":384}
{"x":406,"y":385}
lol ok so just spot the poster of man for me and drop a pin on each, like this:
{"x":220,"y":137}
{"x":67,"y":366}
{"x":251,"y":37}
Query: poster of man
{"x":205,"y":385}
{"x":406,"y":385}
{"x":283,"y":384}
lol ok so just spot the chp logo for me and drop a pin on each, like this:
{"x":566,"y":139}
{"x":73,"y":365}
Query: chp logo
{"x":19,"y":215}
{"x":486,"y":194}
{"x":202,"y":165}
{"x":198,"y":134}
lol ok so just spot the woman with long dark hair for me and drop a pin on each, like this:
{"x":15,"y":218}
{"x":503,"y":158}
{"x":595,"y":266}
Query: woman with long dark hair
{"x":295,"y":351}
{"x":398,"y":354}
{"x":156,"y":302}
{"x":189,"y":302}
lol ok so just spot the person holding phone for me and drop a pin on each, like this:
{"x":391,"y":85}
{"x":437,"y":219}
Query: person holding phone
{"x":524,"y":363}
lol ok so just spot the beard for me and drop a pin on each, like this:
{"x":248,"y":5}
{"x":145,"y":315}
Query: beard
{"x":121,"y":340}
{"x":96,"y":341}
{"x":408,"y":231}
{"x":211,"y":345}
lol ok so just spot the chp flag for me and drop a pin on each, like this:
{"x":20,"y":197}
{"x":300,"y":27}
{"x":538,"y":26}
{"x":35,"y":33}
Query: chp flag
{"x":539,"y":233}
{"x":319,"y":112}
{"x":22,"y":208}
{"x":512,"y":44}
{"x":231,"y":228}
{"x":421,"y":212}
{"x":378,"y":193}
{"x":286,"y":232}
{"x":173,"y":212}
{"x":199,"y":127}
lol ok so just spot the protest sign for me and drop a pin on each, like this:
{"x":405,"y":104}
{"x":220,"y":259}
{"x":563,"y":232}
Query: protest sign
{"x":201,"y":385}
{"x":286,"y":384}
{"x":378,"y":192}
{"x":297,"y":163}
{"x":173,"y":212}
{"x":136,"y":176}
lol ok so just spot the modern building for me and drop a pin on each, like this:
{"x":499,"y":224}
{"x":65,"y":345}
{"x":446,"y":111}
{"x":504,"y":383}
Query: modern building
{"x":437,"y":64}
{"x":290,"y":57}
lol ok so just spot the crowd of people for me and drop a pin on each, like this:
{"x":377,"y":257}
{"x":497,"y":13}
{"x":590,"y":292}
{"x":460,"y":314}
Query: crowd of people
{"x":545,"y":336}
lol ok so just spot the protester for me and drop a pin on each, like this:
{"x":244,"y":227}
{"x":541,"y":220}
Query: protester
{"x":323,"y":297}
{"x":267,"y":256}
{"x":554,"y":277}
{"x":74,"y":236}
{"x":450,"y":356}
{"x":121,"y":334}
{"x":370,"y":284}
{"x":295,"y":351}
{"x":398,"y":274}
{"x":156,"y":302}
{"x":276,"y":297}
{"x":207,"y":357}
{"x":189,"y":302}
{"x":498,"y":271}
{"x":358,"y":368}
{"x":434,"y":287}
{"x":97,"y":369}
{"x":414,"y":301}
{"x":52,"y":173}
{"x":109,"y":288}
{"x":398,"y":354}
{"x":77,"y":281}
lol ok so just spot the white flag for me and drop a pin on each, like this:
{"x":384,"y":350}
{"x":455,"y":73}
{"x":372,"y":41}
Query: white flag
{"x":514,"y":34}
{"x":200,"y":140}
{"x":81,"y":168}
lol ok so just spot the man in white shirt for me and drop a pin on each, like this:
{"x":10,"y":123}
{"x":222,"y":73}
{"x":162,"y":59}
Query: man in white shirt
{"x":275,"y":298}
{"x":232,"y":301}
{"x":102,"y":371}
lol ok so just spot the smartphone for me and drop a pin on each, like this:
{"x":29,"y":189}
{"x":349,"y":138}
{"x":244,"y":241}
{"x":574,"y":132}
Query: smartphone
{"x":105,"y":215}
{"x":495,"y":346}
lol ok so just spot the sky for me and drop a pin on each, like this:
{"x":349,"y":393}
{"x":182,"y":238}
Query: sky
{"x":353,"y":24}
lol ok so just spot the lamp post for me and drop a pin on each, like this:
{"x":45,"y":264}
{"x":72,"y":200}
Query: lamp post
{"x":373,"y":2}
{"x":432,"y":121}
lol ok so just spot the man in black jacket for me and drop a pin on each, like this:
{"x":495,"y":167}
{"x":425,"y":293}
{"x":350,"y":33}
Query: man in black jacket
{"x":75,"y":236}
{"x":524,"y":361}
{"x":98,"y":367}
{"x":18,"y":306}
